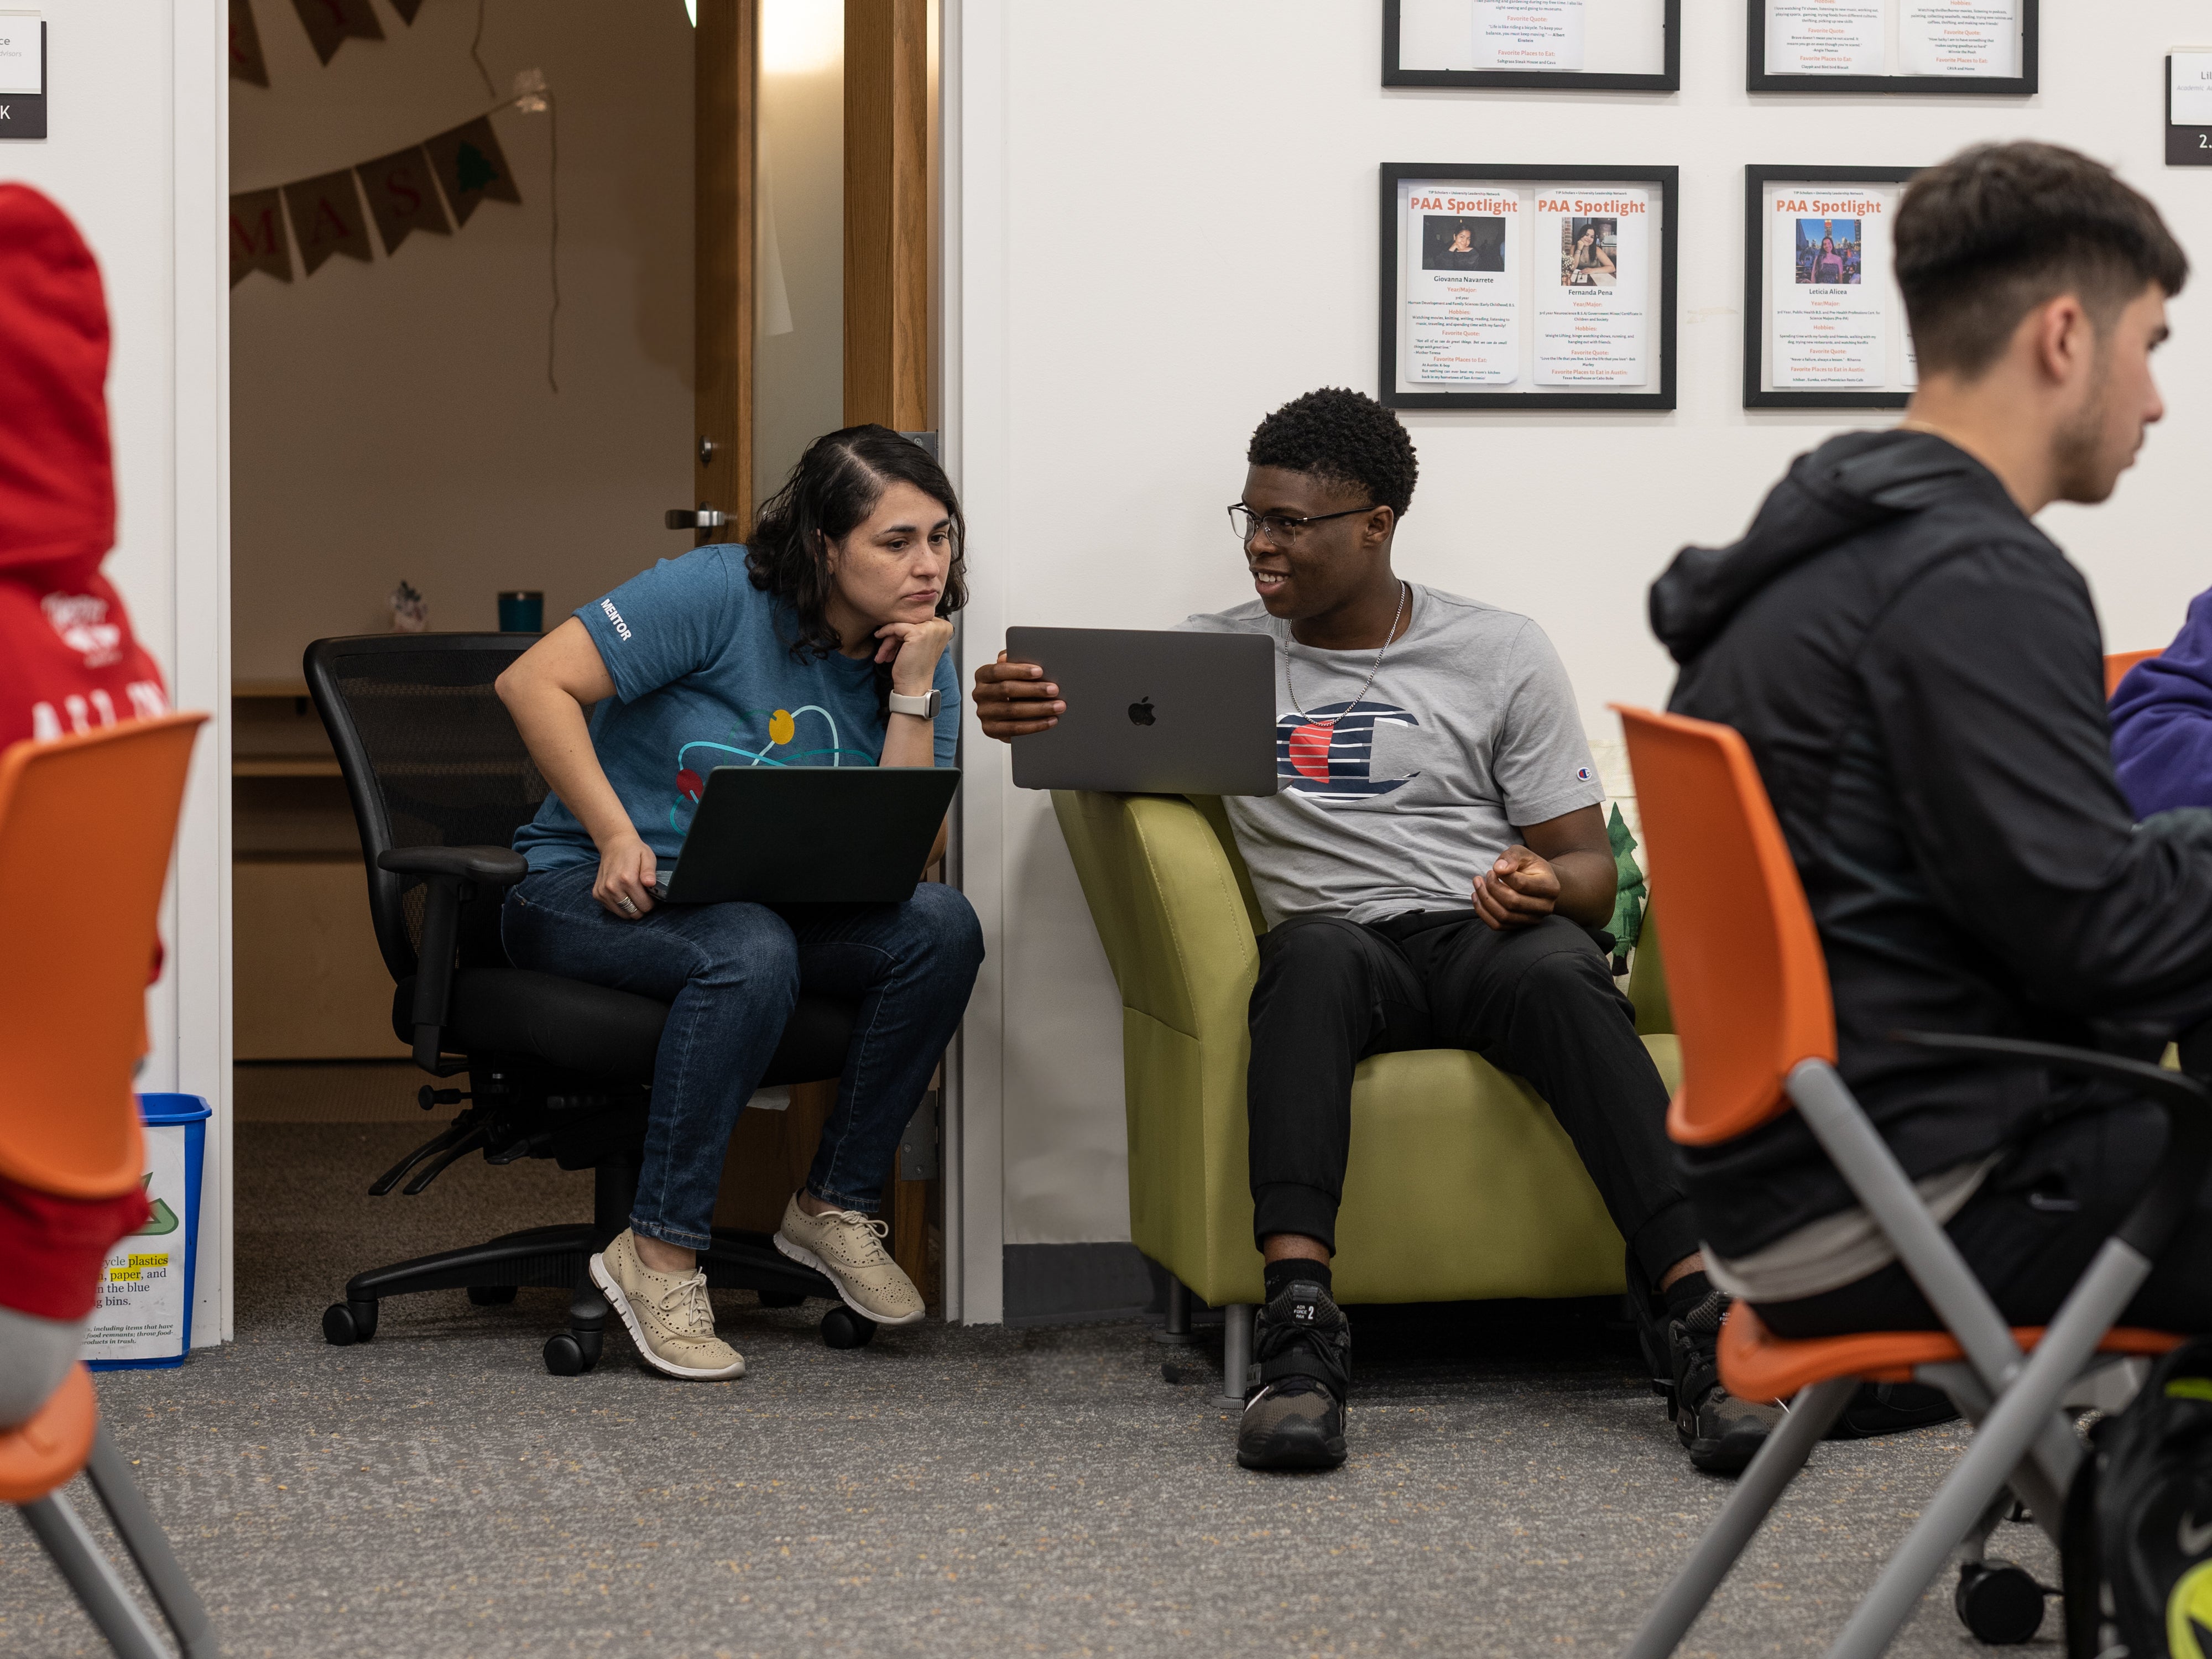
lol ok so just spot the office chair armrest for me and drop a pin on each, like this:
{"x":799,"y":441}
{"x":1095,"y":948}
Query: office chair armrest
{"x":449,"y":876}
{"x":2150,"y":1225}
{"x":502,"y":866}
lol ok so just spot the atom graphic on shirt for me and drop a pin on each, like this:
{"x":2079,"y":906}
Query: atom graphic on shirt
{"x":782,"y":730}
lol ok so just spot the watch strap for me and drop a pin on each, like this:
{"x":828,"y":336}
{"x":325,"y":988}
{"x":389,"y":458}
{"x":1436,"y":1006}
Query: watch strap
{"x":925,"y":706}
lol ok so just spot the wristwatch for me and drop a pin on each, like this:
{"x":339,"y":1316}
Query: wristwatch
{"x":926,"y":707}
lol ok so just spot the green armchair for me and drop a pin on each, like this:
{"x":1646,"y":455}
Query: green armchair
{"x":1462,"y":1185}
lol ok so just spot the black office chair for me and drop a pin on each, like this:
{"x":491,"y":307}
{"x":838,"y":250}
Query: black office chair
{"x":557,"y":1068}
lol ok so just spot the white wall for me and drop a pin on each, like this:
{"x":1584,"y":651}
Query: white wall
{"x":1166,"y":224}
{"x":393,"y":419}
{"x":134,"y":156}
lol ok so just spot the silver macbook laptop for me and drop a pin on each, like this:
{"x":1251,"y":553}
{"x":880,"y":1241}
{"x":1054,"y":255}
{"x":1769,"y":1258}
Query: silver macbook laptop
{"x":1152,"y":713}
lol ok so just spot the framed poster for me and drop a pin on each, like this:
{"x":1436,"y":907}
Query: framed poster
{"x":1983,"y":46}
{"x":1597,"y":46}
{"x":1823,"y":320}
{"x":1528,"y":287}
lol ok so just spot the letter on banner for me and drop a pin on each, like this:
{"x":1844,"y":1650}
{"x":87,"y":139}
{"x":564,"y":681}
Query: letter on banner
{"x":401,"y":197}
{"x":332,"y":23}
{"x":257,"y":237}
{"x":327,"y":219}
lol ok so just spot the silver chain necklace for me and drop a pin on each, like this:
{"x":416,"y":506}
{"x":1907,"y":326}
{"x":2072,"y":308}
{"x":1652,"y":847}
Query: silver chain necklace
{"x":1298,"y":706}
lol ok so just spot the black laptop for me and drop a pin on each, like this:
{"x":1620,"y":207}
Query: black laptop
{"x":810,"y":835}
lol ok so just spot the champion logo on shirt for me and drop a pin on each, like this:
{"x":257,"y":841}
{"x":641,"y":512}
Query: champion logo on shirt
{"x":1332,"y":761}
{"x":1582,"y":774}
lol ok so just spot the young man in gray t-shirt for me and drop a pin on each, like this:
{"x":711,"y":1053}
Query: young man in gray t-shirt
{"x":1431,"y":869}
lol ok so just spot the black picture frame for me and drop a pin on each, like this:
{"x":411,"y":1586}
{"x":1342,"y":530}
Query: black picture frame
{"x":1669,"y":79}
{"x":1756,"y":79}
{"x":1667,"y":179}
{"x":2185,"y":146}
{"x":1755,"y":180}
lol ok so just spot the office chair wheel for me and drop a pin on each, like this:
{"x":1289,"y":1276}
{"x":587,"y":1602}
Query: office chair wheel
{"x":1998,"y":1602}
{"x":345,"y":1323}
{"x":491,"y":1296}
{"x":565,"y":1355}
{"x":781,"y":1299}
{"x":843,"y":1328}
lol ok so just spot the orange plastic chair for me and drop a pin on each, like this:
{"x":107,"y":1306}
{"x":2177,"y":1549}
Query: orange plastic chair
{"x":86,"y":827}
{"x":2117,"y":663}
{"x":1749,"y":989}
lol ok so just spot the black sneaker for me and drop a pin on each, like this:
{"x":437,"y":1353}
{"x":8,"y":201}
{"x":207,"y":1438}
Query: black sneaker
{"x":1880,"y":1408}
{"x":1294,"y":1414}
{"x":1720,"y":1433}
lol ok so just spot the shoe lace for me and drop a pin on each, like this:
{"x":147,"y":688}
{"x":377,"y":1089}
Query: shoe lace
{"x":859,"y":1227}
{"x":1285,"y":1349}
{"x":685,"y":1304}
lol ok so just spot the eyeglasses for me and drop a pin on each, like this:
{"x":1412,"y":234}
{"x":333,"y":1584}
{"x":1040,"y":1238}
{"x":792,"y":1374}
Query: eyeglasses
{"x":1278,"y":527}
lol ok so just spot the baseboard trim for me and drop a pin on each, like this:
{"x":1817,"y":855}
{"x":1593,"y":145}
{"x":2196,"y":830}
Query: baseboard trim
{"x":1075,"y":1283}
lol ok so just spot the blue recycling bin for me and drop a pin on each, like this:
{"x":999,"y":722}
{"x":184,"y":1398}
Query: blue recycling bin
{"x":144,"y":1317}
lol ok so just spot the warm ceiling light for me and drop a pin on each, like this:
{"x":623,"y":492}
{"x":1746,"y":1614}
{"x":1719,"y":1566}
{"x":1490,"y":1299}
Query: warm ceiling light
{"x":801,"y":37}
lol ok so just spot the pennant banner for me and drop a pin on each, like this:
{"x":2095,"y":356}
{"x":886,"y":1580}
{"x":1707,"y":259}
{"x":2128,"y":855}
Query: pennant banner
{"x":257,"y":237}
{"x":407,"y":8}
{"x":472,"y":167}
{"x":327,"y":219}
{"x":401,"y":197}
{"x":247,"y":63}
{"x":332,"y":23}
{"x":402,"y":191}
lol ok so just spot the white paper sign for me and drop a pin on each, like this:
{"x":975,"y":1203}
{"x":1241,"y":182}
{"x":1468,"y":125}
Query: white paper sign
{"x":1591,"y":264}
{"x":1528,"y":35}
{"x":1967,"y":38}
{"x":23,"y":54}
{"x":1824,"y":37}
{"x":1462,"y":263}
{"x":2192,"y":89}
{"x":140,"y":1311}
{"x":1829,"y":267}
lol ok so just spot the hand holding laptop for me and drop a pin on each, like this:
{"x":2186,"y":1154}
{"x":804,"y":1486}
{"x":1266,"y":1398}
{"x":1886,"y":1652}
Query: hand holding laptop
{"x":1013,"y":699}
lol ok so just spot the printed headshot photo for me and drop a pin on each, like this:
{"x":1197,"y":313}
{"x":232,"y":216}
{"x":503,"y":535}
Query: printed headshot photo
{"x":1589,"y":252}
{"x":1827,"y":251}
{"x":1455,"y":242}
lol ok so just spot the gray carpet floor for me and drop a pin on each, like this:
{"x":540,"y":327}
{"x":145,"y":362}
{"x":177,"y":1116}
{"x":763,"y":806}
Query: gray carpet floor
{"x":1513,"y":1489}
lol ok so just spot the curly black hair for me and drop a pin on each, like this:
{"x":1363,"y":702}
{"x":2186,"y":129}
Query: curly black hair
{"x":1345,"y":437}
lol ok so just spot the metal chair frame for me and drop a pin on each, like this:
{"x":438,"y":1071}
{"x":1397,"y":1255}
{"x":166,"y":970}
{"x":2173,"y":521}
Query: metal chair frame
{"x":2012,"y":1385}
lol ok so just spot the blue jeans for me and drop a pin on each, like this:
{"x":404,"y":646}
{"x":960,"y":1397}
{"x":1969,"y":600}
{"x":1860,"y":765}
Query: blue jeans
{"x":731,"y":974}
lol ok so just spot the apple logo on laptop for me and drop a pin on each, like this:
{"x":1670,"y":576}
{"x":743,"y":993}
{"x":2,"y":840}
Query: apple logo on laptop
{"x":1140,"y":712}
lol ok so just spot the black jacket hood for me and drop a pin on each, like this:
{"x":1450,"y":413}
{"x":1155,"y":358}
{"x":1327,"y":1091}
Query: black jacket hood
{"x":1849,"y":484}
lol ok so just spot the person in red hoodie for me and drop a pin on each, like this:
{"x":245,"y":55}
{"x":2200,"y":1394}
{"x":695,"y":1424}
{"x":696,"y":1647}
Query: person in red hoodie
{"x":69,"y":662}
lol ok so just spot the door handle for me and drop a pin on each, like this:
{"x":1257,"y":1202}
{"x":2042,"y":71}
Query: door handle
{"x":705,"y":518}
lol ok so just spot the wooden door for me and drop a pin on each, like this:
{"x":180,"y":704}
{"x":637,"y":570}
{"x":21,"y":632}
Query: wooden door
{"x":887,"y":213}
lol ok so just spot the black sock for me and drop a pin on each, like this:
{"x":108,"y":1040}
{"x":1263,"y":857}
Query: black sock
{"x":1281,"y":1275}
{"x":1685,"y":1293}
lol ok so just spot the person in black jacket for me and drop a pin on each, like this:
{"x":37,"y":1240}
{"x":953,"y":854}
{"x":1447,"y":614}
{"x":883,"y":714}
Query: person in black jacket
{"x":1917,"y":668}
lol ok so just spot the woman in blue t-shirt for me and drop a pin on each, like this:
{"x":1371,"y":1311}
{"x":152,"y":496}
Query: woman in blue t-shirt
{"x":821,"y":643}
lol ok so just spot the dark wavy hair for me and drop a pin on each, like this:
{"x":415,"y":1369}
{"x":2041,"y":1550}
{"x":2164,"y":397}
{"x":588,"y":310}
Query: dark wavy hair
{"x":836,"y":485}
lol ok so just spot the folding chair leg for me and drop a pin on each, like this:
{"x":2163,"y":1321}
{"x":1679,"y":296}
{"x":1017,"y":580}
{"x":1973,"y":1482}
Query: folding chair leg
{"x":1998,"y":1447}
{"x":149,"y":1548}
{"x":92,"y":1577}
{"x":1740,"y":1517}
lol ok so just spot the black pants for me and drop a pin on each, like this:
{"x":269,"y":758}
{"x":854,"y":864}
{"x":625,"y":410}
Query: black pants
{"x":2028,"y":1233}
{"x":1538,"y":1002}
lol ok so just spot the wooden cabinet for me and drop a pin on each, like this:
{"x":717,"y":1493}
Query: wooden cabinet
{"x":307,"y":980}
